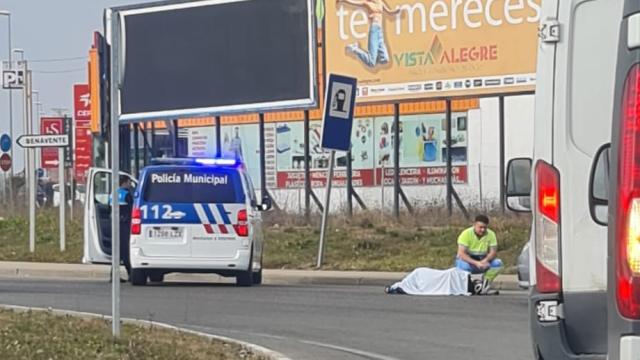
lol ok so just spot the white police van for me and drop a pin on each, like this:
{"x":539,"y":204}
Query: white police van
{"x":190,"y":216}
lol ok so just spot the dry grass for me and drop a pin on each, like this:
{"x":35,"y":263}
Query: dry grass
{"x":368,"y":241}
{"x":40,"y":335}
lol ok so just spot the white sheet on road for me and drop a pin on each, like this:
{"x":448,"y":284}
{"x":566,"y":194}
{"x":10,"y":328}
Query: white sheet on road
{"x":426,"y":281}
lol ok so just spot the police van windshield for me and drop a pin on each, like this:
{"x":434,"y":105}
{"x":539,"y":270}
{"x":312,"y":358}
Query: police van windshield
{"x":194,"y":185}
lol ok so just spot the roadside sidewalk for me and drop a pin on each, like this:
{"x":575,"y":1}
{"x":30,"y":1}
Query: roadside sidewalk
{"x":35,"y":270}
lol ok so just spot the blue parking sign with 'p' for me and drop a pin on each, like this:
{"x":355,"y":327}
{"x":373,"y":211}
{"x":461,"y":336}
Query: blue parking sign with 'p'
{"x":339,"y":106}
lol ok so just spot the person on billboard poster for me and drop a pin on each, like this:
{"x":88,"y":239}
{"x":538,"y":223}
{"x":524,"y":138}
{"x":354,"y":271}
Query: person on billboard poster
{"x":235,"y":146}
{"x":377,"y":52}
{"x":384,"y":145}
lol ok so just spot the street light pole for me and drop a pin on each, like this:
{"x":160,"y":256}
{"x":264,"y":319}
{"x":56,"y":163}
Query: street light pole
{"x":8,"y":15}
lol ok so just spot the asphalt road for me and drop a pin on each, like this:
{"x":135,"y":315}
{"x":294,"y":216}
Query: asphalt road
{"x":310,"y":322}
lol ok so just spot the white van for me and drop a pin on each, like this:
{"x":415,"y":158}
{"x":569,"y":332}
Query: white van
{"x":576,"y":83}
{"x":190,"y":216}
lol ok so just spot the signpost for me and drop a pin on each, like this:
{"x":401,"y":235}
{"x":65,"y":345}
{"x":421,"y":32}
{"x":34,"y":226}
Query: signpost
{"x":5,"y":162}
{"x":14,"y":75}
{"x":5,"y":165}
{"x":5,"y":143}
{"x":337,"y":121}
{"x":48,"y":141}
{"x":51,"y":126}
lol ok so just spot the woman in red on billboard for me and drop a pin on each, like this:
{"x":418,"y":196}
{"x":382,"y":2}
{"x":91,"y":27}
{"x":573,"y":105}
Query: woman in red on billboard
{"x":377,"y":52}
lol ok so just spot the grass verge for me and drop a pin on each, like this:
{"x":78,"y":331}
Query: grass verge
{"x":40,"y":335}
{"x":367,"y":241}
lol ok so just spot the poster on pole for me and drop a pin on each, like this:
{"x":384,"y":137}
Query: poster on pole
{"x":83,"y":140}
{"x":50,"y":126}
{"x":402,"y":50}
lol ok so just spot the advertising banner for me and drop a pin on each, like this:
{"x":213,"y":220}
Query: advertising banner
{"x":83,"y":140}
{"x":401,"y":49}
{"x":423,"y":151}
{"x":50,"y":126}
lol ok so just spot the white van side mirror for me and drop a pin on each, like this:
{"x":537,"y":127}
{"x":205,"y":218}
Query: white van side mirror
{"x":599,"y":186}
{"x":518,"y":184}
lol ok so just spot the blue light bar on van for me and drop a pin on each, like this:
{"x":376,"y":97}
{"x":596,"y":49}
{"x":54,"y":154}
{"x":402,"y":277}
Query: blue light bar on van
{"x":196,"y":161}
{"x":217,"y":161}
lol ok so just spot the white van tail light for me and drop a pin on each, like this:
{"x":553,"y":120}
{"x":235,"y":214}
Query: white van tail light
{"x":136,"y":222}
{"x":242,"y":227}
{"x":628,"y":210}
{"x":547,"y":222}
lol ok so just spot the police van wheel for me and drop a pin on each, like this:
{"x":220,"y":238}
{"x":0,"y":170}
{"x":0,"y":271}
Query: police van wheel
{"x":156,"y":277}
{"x":257,"y":277}
{"x":138,"y":277}
{"x":245,"y":278}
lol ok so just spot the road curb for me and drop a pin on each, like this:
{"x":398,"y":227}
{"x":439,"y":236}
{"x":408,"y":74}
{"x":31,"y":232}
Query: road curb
{"x":271,"y":276}
{"x":260,"y":350}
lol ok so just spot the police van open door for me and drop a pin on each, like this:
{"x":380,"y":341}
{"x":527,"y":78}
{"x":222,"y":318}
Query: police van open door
{"x":97,"y":217}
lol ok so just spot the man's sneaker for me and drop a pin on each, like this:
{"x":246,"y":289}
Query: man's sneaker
{"x":486,"y":288}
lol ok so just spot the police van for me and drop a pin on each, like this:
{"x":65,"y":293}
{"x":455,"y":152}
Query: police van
{"x":189,"y":216}
{"x":585,"y":182}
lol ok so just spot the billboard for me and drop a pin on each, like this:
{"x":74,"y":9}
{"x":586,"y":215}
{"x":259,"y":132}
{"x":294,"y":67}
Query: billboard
{"x":216,"y":57}
{"x":423,"y":151}
{"x":401,"y":49}
{"x":83,"y":137}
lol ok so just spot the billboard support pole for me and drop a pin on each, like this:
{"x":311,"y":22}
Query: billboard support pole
{"x":349,"y":185}
{"x":307,"y":172}
{"x":325,"y":211}
{"x":359,"y":201}
{"x":501,"y":135}
{"x":396,"y":160}
{"x":136,"y":154}
{"x":115,"y":172}
{"x":175,"y":137}
{"x":218,"y":137}
{"x":145,"y":145}
{"x":263,"y":168}
{"x":449,"y":168}
{"x":406,"y":202}
{"x":153,"y":139}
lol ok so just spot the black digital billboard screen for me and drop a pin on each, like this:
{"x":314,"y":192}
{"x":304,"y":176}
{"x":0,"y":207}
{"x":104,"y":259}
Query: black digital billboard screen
{"x":216,"y":57}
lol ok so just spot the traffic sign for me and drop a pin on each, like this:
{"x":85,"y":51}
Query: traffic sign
{"x":340,"y":101}
{"x":5,"y":142}
{"x":13,"y":77}
{"x":5,"y":162}
{"x":38,"y":141}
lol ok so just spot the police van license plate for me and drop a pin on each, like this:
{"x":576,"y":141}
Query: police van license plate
{"x":168,"y":233}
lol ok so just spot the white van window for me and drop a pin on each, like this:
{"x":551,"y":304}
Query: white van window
{"x":102,"y":188}
{"x":591,"y":86}
{"x":194,"y":185}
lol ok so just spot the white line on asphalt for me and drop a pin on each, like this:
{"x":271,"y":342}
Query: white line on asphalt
{"x":352,"y":351}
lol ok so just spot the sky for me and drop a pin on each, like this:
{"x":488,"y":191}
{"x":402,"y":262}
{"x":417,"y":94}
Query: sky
{"x":50,"y":30}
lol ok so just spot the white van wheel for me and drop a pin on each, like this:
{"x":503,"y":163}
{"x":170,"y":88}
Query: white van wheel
{"x":245,"y":278}
{"x":257,"y":277}
{"x":156,"y":277}
{"x":138,"y":277}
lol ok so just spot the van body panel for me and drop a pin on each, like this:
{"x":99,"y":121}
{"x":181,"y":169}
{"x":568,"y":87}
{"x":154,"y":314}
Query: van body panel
{"x":97,"y":217}
{"x":573,"y":100}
